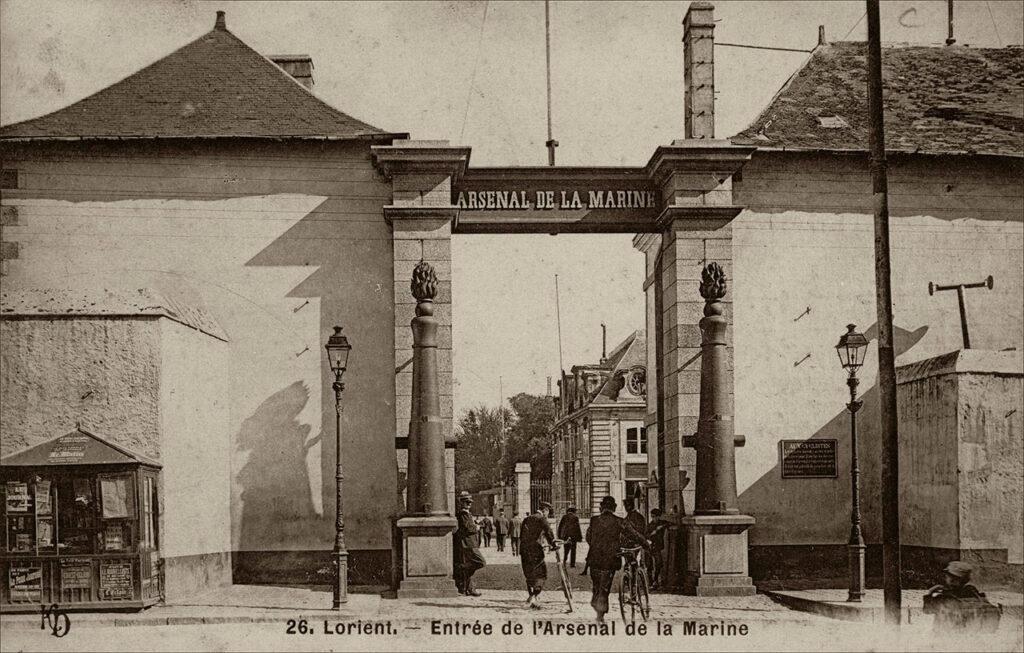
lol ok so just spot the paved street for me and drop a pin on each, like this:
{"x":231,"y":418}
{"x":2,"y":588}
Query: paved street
{"x":260,"y":618}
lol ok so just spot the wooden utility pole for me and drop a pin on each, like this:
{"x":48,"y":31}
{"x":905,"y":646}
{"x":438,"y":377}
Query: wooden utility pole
{"x":892,"y":590}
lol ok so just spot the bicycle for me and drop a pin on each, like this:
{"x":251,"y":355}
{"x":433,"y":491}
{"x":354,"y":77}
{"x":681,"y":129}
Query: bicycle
{"x":634,"y":590}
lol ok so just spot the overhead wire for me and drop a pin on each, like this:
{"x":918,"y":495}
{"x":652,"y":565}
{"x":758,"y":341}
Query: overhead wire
{"x":472,"y":76}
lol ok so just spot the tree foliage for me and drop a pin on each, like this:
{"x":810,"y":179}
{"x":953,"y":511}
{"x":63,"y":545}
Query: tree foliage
{"x":480,"y":460}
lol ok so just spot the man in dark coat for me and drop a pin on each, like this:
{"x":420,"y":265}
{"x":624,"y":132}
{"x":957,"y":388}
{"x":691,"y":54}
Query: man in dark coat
{"x":515,"y":525}
{"x":569,"y":531}
{"x":656,"y":534}
{"x":635,"y":518}
{"x":531,"y":551}
{"x":605,"y":535}
{"x":958,"y":605}
{"x":501,"y":529}
{"x":486,"y":528}
{"x":467,"y":555}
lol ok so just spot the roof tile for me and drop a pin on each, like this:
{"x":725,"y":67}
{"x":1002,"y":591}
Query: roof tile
{"x":216,"y":86}
{"x":936,"y":99}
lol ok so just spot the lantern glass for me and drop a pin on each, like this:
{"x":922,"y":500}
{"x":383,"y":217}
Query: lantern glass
{"x":338,"y":349}
{"x":851,"y":349}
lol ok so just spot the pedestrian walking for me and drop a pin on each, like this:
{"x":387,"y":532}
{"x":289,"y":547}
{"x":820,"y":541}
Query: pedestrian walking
{"x":514,"y":526}
{"x":501,"y":528}
{"x":487,"y":528}
{"x":656,"y":534}
{"x":531,"y":551}
{"x":569,"y":531}
{"x":605,"y":535}
{"x":466,"y":552}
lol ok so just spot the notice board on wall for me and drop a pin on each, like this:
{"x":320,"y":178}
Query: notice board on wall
{"x":808,"y":458}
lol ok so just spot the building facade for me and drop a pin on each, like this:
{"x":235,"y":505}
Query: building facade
{"x":600,"y":444}
{"x":217,"y":179}
{"x":799,"y":258}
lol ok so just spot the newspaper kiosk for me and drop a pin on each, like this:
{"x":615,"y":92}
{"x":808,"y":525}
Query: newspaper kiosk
{"x":81,"y":527}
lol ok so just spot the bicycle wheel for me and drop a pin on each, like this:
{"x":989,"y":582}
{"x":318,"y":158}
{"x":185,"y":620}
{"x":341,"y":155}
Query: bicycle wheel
{"x":642,"y":597}
{"x":626,"y":597}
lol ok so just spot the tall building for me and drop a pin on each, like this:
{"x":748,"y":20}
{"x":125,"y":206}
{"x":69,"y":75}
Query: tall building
{"x":600,"y":441}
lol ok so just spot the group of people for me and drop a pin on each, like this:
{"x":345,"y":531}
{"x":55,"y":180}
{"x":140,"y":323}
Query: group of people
{"x":532,"y":538}
{"x":500,"y":527}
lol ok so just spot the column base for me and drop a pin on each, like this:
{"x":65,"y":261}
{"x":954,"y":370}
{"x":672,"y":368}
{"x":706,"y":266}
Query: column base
{"x":716,"y":555}
{"x":427,"y":557}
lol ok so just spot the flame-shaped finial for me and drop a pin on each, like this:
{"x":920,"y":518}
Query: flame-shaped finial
{"x":713,"y":282}
{"x":424,"y":287}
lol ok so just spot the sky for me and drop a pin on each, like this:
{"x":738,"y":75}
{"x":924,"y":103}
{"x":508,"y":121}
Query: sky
{"x":473,"y":73}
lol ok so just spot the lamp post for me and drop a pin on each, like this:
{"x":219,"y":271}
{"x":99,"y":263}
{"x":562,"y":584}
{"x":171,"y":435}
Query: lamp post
{"x":851,"y":348}
{"x":338,"y":349}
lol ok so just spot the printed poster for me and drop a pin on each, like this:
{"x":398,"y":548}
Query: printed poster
{"x":114,"y":492}
{"x":116,"y":580}
{"x":43,"y":503}
{"x":113,"y":537}
{"x":44,"y":533}
{"x":17,"y":496}
{"x":26,"y":583}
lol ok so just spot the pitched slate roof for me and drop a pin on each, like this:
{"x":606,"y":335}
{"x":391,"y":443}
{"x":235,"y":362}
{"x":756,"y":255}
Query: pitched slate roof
{"x":216,"y":86}
{"x":937,"y":100}
{"x":79,"y":447}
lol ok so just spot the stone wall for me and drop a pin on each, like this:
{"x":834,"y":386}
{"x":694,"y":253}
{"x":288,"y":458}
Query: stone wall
{"x":279,"y":241}
{"x":103,"y":372}
{"x":803,"y":268}
{"x":962,"y":463}
{"x":196,"y":454}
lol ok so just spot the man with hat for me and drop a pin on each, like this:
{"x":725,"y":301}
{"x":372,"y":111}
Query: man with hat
{"x":959,"y":605}
{"x":531,"y":551}
{"x":467,"y":555}
{"x":569,"y":532}
{"x":606,"y":534}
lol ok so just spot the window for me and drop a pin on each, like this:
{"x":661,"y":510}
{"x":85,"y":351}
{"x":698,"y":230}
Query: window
{"x":636,"y":440}
{"x":149,"y":512}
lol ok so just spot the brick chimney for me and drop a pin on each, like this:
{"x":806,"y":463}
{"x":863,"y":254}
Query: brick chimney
{"x":699,"y":70}
{"x":299,"y":66}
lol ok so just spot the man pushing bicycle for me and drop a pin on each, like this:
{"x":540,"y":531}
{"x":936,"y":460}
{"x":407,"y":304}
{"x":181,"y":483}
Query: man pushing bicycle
{"x":605,"y":536}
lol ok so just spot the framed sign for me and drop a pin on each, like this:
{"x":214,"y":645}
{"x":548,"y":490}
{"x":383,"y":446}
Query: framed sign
{"x":808,"y":458}
{"x":75,"y":574}
{"x":26,"y":583}
{"x":116,"y":581}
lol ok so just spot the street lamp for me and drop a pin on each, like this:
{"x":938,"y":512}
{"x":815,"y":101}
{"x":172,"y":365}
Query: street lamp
{"x":337,"y":356}
{"x":851,"y":348}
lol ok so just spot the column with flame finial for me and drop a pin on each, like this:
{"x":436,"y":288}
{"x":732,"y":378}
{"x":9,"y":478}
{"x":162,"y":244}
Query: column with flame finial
{"x":427,"y":523}
{"x":716,"y":534}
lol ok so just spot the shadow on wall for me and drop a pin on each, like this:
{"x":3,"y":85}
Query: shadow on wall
{"x":815,"y":513}
{"x":274,"y":481}
{"x":346,"y":245}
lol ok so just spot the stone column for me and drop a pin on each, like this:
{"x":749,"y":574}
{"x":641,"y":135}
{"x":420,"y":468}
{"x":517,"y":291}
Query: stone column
{"x":421,"y":212}
{"x":523,"y":488}
{"x":695,"y":178}
{"x":716,"y":534}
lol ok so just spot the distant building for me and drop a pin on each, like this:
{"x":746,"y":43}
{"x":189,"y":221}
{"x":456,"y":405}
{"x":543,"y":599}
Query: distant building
{"x":600,"y":441}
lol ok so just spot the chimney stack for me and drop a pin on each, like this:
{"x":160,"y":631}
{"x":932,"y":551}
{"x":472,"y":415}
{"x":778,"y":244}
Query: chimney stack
{"x":549,"y":386}
{"x":221,"y":23}
{"x":299,"y":66}
{"x":699,"y":70}
{"x":821,"y":35}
